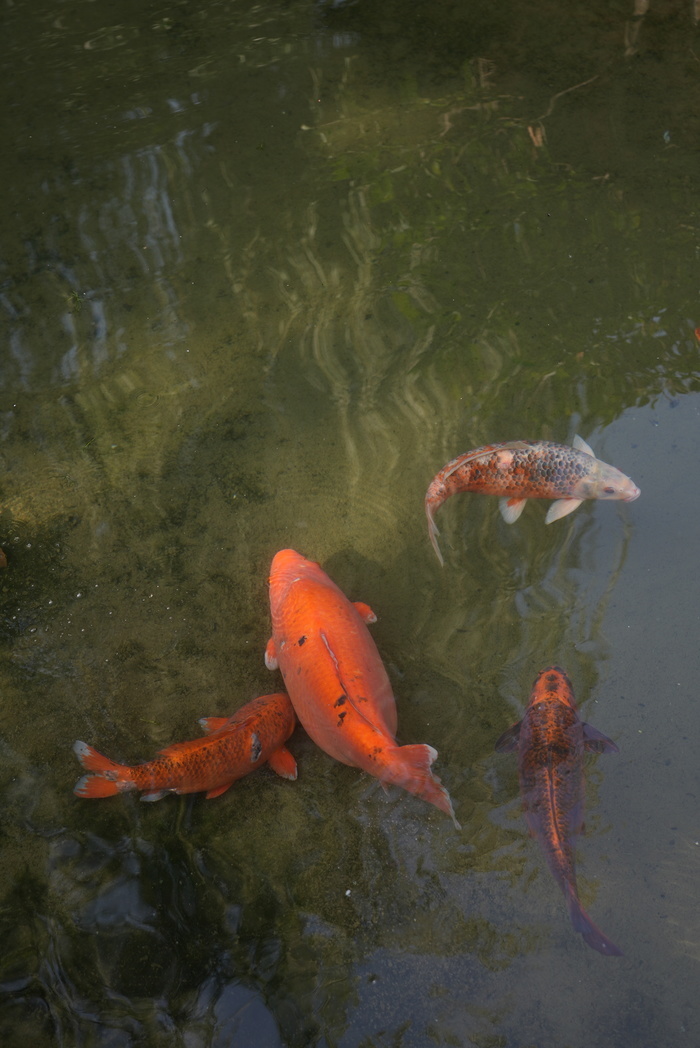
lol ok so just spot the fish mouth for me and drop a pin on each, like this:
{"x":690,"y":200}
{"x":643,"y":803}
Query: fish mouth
{"x":635,"y":495}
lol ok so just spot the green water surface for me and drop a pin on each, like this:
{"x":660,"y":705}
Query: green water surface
{"x":265,"y":268}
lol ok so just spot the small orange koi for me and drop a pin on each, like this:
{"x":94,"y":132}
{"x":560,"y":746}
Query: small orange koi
{"x":336,"y":679}
{"x":233,"y":747}
{"x":528,"y":469}
{"x":550,"y":741}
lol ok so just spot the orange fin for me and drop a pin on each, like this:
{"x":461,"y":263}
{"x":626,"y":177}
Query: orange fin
{"x":109,"y":777}
{"x":366,"y":613}
{"x":218,"y":790}
{"x":96,"y":786}
{"x":418,"y":758}
{"x":282,"y":762}
{"x":211,"y":724}
{"x":271,"y":655}
{"x":94,"y":761}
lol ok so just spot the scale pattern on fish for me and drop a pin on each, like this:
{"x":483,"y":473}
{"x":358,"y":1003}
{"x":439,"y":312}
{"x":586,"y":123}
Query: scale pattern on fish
{"x":550,"y":741}
{"x":528,"y":469}
{"x":233,"y":747}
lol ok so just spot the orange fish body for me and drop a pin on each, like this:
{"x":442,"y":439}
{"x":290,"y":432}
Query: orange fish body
{"x":232,"y":747}
{"x":528,"y":469}
{"x":551,"y":740}
{"x":336,"y":679}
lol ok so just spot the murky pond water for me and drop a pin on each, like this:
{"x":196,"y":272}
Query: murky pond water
{"x":265,"y":268}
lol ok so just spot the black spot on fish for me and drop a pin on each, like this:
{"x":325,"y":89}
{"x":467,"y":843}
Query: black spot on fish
{"x":301,"y":641}
{"x":255,"y":748}
{"x":341,"y":700}
{"x":553,"y":680}
{"x":341,"y":716}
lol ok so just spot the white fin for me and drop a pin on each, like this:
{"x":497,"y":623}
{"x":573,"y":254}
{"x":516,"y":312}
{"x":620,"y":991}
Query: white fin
{"x":511,"y":509}
{"x":561,"y":508}
{"x":433,"y":532}
{"x":432,"y":754}
{"x":155,"y":796}
{"x":579,"y":444}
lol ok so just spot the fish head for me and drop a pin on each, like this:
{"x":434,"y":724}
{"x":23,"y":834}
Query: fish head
{"x":552,"y":685}
{"x":286,"y":560}
{"x":605,"y":482}
{"x":288,"y":567}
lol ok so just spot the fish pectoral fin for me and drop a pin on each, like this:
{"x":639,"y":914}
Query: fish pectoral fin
{"x":282,"y":762}
{"x":211,"y":724}
{"x":271,"y":655}
{"x":511,"y":509}
{"x":595,"y":742}
{"x":218,"y":790}
{"x":365,"y":612}
{"x":154,"y":795}
{"x":579,"y":444}
{"x":509,"y":740}
{"x":561,"y":508}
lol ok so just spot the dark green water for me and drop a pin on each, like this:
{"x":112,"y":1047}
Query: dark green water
{"x":263,"y":270}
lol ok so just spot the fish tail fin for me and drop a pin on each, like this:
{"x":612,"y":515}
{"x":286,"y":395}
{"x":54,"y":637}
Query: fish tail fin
{"x":109,"y":777}
{"x":583,"y":924}
{"x":413,"y":773}
{"x":431,"y":504}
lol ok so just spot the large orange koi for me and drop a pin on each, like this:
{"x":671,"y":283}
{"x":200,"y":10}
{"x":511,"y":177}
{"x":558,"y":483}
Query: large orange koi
{"x":528,"y":469}
{"x":551,"y":740}
{"x":336,"y":679}
{"x":232,"y":747}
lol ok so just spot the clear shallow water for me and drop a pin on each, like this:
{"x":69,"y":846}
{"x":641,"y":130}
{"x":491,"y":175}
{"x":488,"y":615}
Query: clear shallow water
{"x":264,"y":270}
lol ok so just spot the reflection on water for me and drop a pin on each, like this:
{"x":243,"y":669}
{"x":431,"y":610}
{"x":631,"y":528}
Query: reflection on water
{"x":264,"y":270}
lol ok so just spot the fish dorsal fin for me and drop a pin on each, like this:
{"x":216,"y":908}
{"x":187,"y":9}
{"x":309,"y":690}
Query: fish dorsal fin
{"x":484,"y":452}
{"x":509,"y":740}
{"x":211,"y":724}
{"x":579,"y":444}
{"x":595,"y":742}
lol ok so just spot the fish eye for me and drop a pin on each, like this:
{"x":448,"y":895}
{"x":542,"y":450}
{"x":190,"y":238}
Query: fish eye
{"x":608,"y":491}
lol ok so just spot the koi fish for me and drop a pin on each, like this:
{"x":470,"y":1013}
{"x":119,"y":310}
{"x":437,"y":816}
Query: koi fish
{"x":528,"y":469}
{"x":336,"y":679}
{"x":232,"y":747}
{"x":551,"y":740}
